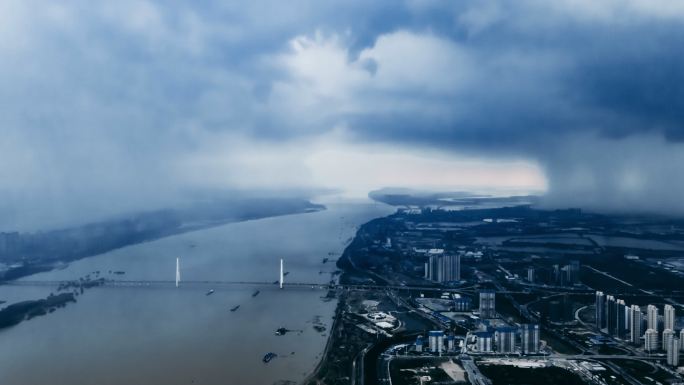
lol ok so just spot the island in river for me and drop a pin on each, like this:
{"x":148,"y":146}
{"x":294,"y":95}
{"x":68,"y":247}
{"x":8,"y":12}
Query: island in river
{"x":25,"y":254}
{"x":25,"y":310}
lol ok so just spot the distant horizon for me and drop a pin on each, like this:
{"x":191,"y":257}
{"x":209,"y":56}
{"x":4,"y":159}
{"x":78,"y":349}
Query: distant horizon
{"x":323,"y":196}
{"x":108,"y":108}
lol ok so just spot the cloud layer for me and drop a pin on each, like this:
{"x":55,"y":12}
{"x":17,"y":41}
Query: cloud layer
{"x":107,"y":107}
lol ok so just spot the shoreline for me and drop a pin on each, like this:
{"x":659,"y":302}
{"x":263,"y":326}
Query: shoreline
{"x":43,"y":263}
{"x":313,"y":377}
{"x":346,"y":264}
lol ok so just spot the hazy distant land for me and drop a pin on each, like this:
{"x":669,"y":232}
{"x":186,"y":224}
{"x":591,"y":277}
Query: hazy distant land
{"x":403,"y":197}
{"x":23,"y":254}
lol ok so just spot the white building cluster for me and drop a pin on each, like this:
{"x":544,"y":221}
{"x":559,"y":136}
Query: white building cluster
{"x":501,"y":340}
{"x":627,"y":322}
{"x":438,"y":343}
{"x":508,"y":339}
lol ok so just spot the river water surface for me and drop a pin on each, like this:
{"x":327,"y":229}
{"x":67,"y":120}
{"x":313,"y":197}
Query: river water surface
{"x":164,"y":335}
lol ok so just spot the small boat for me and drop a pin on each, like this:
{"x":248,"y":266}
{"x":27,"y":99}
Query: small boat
{"x":269,"y":356}
{"x":281,"y":331}
{"x":210,"y":292}
{"x":234,"y":308}
{"x":255,"y":293}
{"x":286,"y":273}
{"x":276,"y":282}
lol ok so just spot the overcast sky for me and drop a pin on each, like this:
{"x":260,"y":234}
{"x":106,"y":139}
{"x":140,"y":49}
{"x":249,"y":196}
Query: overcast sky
{"x":113,"y":106}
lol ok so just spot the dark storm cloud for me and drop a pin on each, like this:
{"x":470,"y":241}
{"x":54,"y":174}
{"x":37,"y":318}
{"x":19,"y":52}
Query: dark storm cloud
{"x":595,"y":93}
{"x":101,"y":102}
{"x":556,"y":75}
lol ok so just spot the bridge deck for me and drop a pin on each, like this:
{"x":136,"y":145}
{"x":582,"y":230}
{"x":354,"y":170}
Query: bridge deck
{"x":218,"y":283}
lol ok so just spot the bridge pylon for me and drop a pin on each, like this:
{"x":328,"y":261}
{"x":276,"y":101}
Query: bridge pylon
{"x":282,"y":274}
{"x":177,"y":271}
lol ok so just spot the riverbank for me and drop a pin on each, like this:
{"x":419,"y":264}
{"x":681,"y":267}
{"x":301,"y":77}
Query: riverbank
{"x":354,"y":343}
{"x":33,"y":253}
{"x":341,"y":359}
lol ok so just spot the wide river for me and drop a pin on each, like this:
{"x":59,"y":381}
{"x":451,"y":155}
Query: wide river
{"x":164,"y":335}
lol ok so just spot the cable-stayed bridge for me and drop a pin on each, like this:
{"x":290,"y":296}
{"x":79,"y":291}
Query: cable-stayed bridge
{"x":218,"y":284}
{"x":224,"y":284}
{"x":162,"y":283}
{"x":214,"y":284}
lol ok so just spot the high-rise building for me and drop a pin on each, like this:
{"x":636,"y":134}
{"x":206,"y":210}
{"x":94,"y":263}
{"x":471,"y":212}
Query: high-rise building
{"x":505,"y":339}
{"x":651,"y":340}
{"x":530,"y":274}
{"x":635,"y":320}
{"x":668,"y":334}
{"x":442,"y":272}
{"x":669,"y":317}
{"x":611,"y":314}
{"x":558,"y":275}
{"x":432,"y":268}
{"x":529,"y":339}
{"x":484,"y":341}
{"x":681,"y":340}
{"x":566,"y":275}
{"x":454,"y":267}
{"x":572,"y":272}
{"x":419,"y":344}
{"x":673,"y":352}
{"x":436,"y":341}
{"x":451,"y":343}
{"x":463,"y":304}
{"x":600,"y":310}
{"x":443,"y":268}
{"x":621,"y":324}
{"x":487,"y":304}
{"x":652,"y":317}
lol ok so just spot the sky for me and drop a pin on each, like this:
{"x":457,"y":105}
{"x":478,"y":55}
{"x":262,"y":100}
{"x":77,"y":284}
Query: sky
{"x":108,"y":107}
